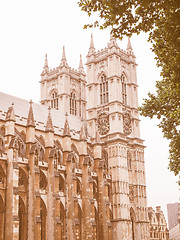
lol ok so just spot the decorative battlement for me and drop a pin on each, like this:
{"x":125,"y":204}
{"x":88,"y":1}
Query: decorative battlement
{"x":64,"y":87}
{"x":112,"y":48}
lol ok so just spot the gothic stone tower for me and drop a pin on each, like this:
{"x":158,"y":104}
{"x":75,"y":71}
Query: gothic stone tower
{"x":64,"y":88}
{"x":112,"y":110}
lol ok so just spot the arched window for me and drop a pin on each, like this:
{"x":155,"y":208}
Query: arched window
{"x":73,"y":105}
{"x":124,"y":95}
{"x":104,"y":95}
{"x":78,"y":187}
{"x":61,"y":184}
{"x":54,"y":100}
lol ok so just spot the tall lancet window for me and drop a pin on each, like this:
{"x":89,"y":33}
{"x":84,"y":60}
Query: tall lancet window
{"x":104,"y":95}
{"x":54,"y":100}
{"x":124,"y":95}
{"x":73,"y":105}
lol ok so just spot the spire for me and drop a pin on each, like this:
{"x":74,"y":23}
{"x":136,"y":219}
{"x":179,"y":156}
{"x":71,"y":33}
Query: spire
{"x":63,"y":54}
{"x":129,"y":44}
{"x":46,"y":61}
{"x":82,"y":135}
{"x":81,"y":68}
{"x":30,"y":120}
{"x":112,"y":42}
{"x":46,"y":68}
{"x":80,"y":63}
{"x":63,"y":59}
{"x":92,"y":42}
{"x":10,"y":116}
{"x":49,"y":125}
{"x":66,"y":131}
{"x":129,"y":47}
{"x":91,"y":48}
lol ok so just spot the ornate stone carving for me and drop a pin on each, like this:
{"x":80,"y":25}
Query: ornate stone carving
{"x":127,"y":122}
{"x":103,"y":123}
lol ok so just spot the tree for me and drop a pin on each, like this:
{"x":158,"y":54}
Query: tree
{"x":161,"y":19}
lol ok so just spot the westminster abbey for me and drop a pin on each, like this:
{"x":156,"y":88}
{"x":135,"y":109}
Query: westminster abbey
{"x":72,"y":167}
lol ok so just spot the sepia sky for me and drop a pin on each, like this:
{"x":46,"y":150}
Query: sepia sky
{"x":29,"y":29}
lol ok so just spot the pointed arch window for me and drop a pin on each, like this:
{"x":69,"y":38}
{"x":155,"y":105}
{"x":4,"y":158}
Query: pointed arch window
{"x":61,"y":184}
{"x":54,"y":100}
{"x":124,"y":94}
{"x":73,"y":104}
{"x":104,"y":93}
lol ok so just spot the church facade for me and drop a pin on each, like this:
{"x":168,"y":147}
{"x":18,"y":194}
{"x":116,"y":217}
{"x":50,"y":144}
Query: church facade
{"x":72,"y":167}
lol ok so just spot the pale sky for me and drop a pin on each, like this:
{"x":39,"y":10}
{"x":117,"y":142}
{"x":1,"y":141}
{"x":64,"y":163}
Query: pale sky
{"x":29,"y":29}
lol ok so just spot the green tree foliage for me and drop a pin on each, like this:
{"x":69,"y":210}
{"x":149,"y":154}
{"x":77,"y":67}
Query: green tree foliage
{"x":161,"y":19}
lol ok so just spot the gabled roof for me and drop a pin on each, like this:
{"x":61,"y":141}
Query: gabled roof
{"x":21,"y":109}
